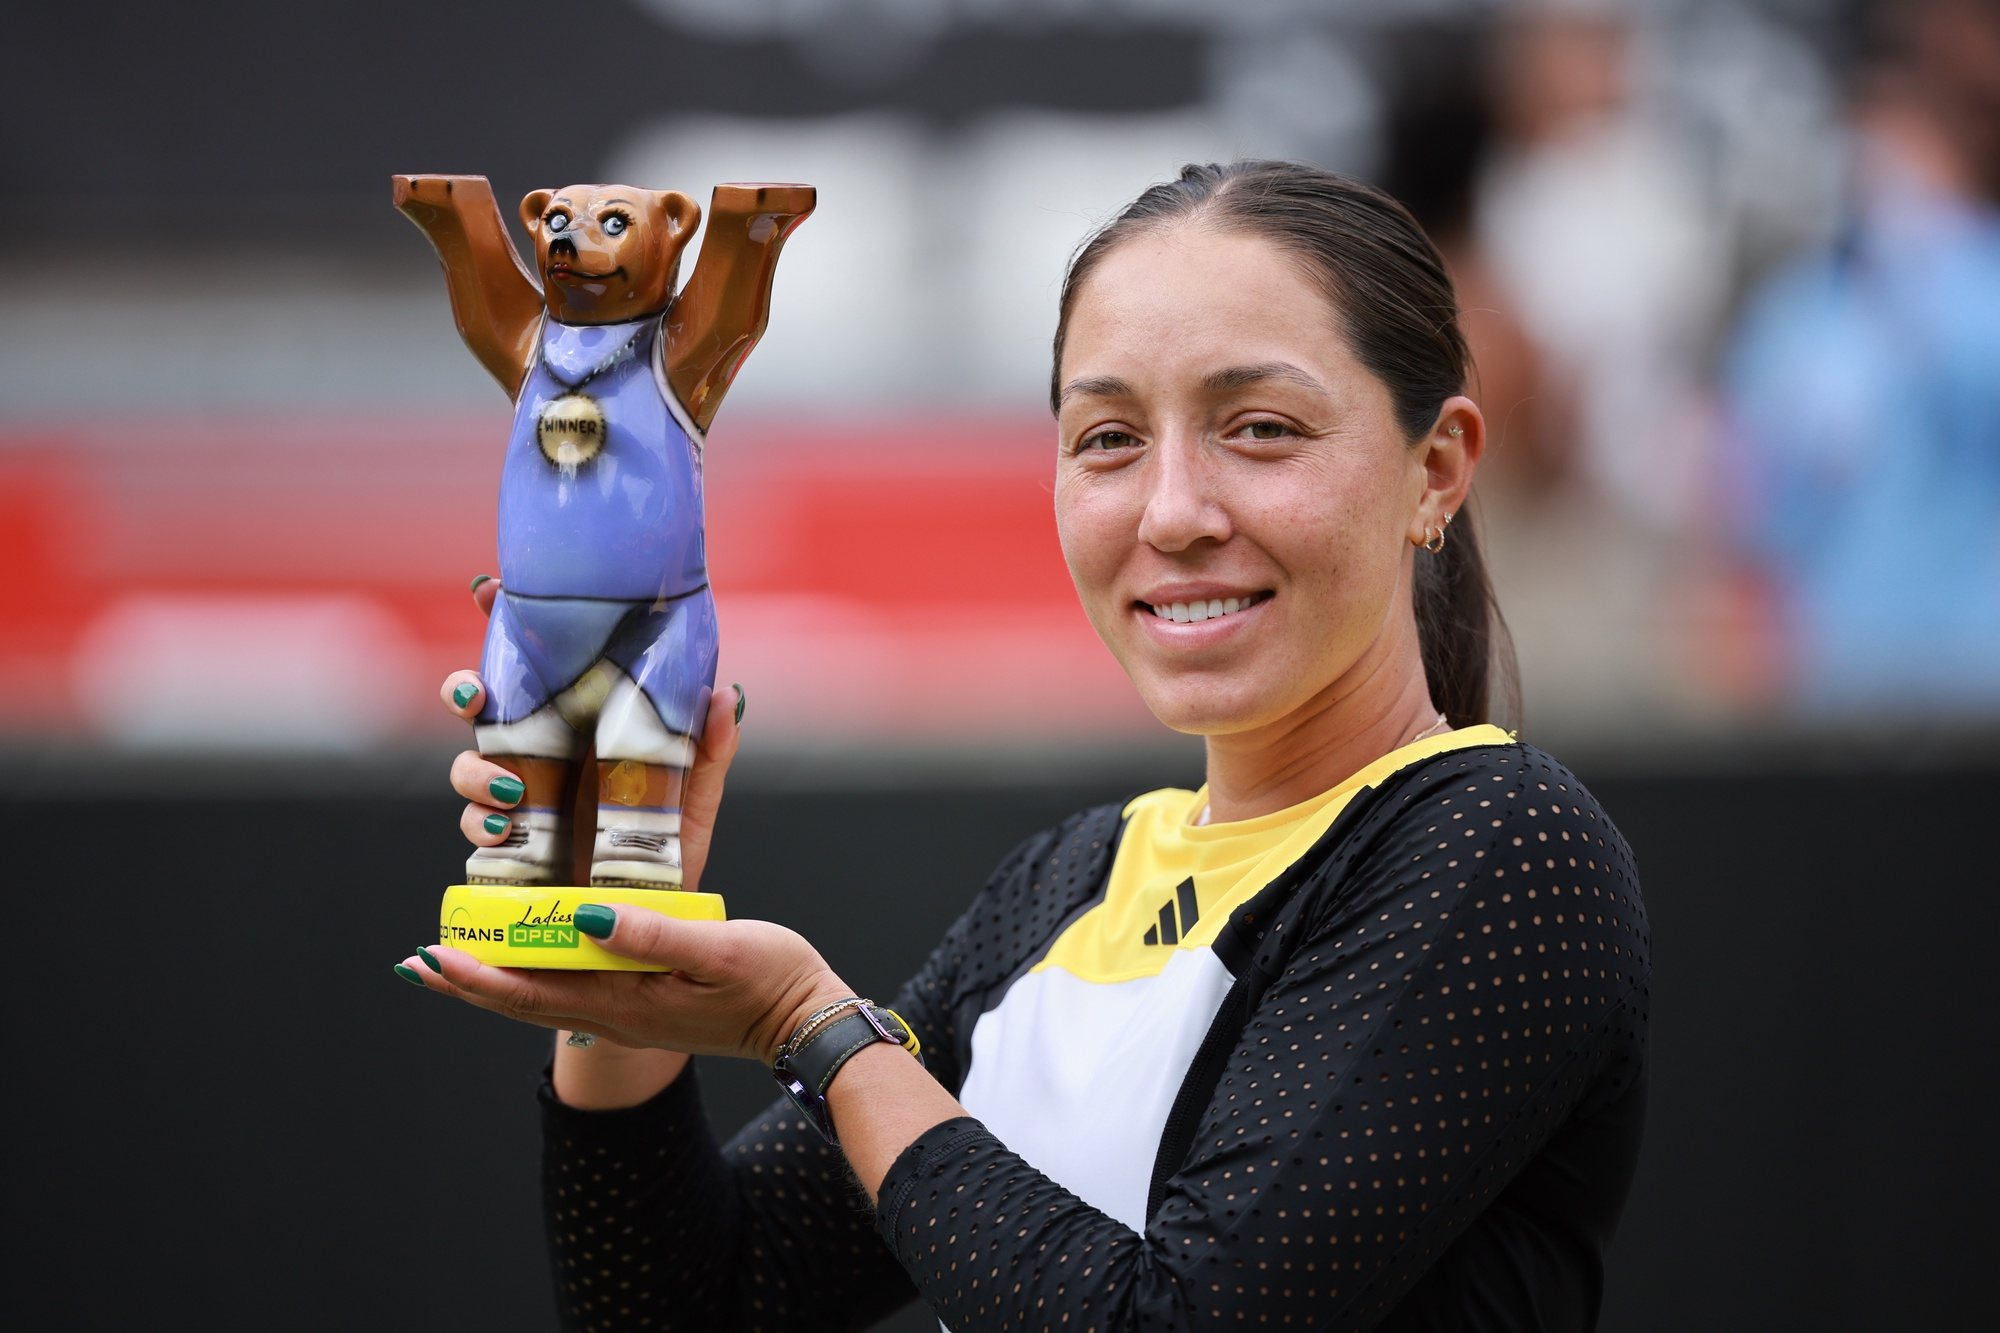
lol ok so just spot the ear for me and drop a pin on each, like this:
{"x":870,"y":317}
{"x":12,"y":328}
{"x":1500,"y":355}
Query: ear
{"x":1449,"y":454}
{"x":532,"y":207}
{"x":681,"y":214}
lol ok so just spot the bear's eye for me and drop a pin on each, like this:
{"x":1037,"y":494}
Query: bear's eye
{"x":614,"y":224}
{"x":557,"y":220}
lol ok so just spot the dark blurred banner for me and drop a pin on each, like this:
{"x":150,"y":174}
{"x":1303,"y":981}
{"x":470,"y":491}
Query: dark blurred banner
{"x":231,"y":1111}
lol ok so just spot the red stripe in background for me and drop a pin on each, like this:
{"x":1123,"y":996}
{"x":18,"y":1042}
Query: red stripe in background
{"x":901,"y":580}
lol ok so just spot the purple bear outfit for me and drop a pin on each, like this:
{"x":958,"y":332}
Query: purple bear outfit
{"x":602,"y":558}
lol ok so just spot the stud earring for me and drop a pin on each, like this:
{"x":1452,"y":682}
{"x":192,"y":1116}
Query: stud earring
{"x":1454,"y":430}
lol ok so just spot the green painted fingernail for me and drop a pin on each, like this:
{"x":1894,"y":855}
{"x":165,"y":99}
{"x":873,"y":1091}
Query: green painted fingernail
{"x":465,"y":693}
{"x":409,"y":974}
{"x":741,"y":699}
{"x":506,"y":789}
{"x":595,"y":921}
{"x":496,"y":824}
{"x":478,"y":579}
{"x":430,"y":960}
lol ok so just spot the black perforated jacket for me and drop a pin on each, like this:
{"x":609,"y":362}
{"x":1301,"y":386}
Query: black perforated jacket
{"x":1450,"y":1149}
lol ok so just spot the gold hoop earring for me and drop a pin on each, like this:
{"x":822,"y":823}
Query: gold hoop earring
{"x":1434,"y":539}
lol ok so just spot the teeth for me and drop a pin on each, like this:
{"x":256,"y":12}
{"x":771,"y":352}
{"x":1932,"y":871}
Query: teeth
{"x":1185,"y":613}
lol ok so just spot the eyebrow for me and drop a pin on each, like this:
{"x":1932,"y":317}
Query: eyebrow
{"x":1218,"y":381}
{"x":1242,"y":377}
{"x":1094,"y":386}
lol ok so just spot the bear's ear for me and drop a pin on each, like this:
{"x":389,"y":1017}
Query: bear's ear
{"x":532,"y":207}
{"x":680,"y":213}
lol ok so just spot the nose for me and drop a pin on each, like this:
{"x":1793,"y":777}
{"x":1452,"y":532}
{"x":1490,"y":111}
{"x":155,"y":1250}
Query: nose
{"x":562,"y":246}
{"x":1183,"y":505}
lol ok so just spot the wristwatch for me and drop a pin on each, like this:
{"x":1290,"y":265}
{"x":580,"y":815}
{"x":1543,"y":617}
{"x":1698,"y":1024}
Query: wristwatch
{"x":829,"y":1039}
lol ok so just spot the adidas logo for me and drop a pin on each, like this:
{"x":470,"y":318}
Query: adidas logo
{"x":1172,"y":924}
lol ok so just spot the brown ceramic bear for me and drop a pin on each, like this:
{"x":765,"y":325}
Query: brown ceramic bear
{"x":604,"y":629}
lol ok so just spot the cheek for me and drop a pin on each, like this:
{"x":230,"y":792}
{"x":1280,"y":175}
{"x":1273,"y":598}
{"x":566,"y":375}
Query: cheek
{"x":1093,"y":534}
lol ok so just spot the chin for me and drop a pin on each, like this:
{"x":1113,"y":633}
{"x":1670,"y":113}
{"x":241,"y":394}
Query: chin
{"x":1206,"y":708}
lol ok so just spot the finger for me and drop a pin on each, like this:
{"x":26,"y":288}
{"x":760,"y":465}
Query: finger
{"x":463,"y":694}
{"x":484,"y":589}
{"x":722,"y":734}
{"x":484,"y":782}
{"x":483,"y":826}
{"x":723,"y":731}
{"x":419,"y":971}
{"x":553,"y":1000}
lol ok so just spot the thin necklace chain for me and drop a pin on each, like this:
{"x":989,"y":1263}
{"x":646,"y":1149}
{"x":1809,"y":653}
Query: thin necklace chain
{"x":616,"y":358}
{"x":1437,"y":728}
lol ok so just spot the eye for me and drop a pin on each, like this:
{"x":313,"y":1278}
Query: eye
{"x":557,"y":220}
{"x":1268,"y":430}
{"x":1105,"y":441}
{"x":615,"y":224}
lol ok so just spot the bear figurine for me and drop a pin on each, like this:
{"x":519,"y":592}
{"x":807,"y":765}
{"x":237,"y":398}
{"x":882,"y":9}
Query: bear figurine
{"x":604,"y":630}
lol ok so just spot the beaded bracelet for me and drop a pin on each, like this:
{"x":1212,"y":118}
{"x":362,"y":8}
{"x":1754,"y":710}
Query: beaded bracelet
{"x":816,"y":1020}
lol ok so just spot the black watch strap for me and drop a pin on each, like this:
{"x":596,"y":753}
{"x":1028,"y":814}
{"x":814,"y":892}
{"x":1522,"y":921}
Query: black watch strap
{"x":808,"y":1071}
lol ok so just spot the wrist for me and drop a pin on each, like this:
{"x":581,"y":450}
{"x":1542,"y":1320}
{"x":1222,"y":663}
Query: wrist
{"x":826,"y":1040}
{"x":609,"y":1077}
{"x":825,"y":991}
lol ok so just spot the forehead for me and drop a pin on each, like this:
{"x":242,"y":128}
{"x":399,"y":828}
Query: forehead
{"x":1190,"y":296}
{"x":589,"y":196}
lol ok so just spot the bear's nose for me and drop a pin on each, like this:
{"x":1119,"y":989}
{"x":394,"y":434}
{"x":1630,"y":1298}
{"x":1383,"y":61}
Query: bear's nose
{"x":562,"y":248}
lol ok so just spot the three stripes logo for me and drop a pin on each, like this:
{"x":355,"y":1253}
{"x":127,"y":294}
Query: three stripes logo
{"x":1174,"y":924}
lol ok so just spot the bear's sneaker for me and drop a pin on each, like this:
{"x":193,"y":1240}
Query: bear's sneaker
{"x":638,"y":849}
{"x":536,"y":852}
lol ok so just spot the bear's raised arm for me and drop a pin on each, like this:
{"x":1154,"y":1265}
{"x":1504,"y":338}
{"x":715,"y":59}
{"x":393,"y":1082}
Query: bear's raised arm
{"x":720,"y":314}
{"x":494,"y":300}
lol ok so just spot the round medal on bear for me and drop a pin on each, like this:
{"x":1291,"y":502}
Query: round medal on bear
{"x":570,"y":429}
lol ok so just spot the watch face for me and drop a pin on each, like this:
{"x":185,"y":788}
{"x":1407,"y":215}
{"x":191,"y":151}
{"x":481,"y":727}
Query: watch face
{"x":812,"y":1107}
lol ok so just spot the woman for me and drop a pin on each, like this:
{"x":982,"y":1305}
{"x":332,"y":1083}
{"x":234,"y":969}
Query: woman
{"x":1352,"y":1037}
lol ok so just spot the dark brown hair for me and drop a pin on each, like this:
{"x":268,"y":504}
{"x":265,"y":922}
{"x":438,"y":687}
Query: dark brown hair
{"x":1394,"y":300}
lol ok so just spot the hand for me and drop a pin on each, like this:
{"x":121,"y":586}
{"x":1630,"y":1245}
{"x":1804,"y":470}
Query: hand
{"x":473,"y":777}
{"x":737,"y":988}
{"x":425,"y":195}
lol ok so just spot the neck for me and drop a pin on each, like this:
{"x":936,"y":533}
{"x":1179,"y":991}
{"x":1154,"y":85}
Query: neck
{"x":582,"y":316}
{"x":1381,"y":705}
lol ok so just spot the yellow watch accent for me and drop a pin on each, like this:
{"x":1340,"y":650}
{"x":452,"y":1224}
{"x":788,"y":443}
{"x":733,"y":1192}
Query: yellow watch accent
{"x":910,"y":1042}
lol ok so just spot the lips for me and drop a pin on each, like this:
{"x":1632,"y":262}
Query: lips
{"x":562,"y":269}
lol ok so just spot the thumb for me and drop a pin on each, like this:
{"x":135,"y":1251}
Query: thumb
{"x":700,"y":948}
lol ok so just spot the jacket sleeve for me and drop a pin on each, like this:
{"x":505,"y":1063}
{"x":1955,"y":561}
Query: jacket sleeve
{"x":651,"y":1224}
{"x":1433,"y":1025}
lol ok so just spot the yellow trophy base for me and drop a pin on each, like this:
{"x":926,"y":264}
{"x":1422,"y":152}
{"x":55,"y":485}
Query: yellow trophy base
{"x":535,"y":927}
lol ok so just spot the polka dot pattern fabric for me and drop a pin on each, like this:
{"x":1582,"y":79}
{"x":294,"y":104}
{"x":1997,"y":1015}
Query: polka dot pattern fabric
{"x":1424,"y":1112}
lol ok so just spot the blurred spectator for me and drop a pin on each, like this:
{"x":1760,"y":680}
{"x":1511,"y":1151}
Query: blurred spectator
{"x":1862,"y":394}
{"x":1591,"y":284}
{"x":1598,"y":230}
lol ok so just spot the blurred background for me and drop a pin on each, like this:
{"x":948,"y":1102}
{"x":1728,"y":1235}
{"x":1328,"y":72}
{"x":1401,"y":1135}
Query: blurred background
{"x":1731,"y":269}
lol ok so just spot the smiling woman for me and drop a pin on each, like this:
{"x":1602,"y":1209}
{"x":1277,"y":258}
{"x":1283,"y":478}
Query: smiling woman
{"x":1351,"y":1037}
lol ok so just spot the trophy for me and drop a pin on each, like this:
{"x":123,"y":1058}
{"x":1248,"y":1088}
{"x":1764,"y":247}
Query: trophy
{"x":603,"y":634}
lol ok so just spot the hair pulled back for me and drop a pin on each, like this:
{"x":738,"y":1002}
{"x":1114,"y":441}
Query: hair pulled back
{"x":1393,"y":298}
